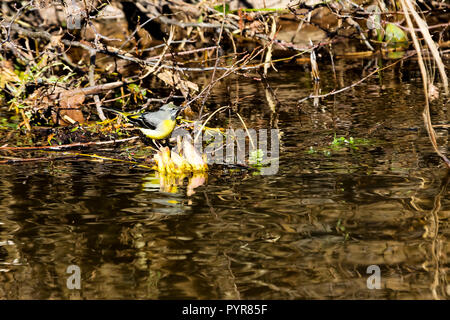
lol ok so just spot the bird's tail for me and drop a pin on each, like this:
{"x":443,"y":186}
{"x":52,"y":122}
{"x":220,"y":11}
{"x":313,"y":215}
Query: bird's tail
{"x":134,"y":118}
{"x":125,"y":114}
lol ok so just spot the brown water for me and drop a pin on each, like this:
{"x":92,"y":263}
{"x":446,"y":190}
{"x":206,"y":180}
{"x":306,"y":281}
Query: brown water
{"x":308,"y":232}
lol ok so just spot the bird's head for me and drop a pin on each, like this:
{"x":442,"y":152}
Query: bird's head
{"x":173,"y":109}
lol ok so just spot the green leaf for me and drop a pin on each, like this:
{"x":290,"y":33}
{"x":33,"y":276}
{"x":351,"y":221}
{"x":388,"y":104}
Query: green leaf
{"x":395,"y":36}
{"x":395,"y":54}
{"x":221,"y":9}
{"x":134,"y":87}
{"x":256,"y":156}
{"x":311,"y":150}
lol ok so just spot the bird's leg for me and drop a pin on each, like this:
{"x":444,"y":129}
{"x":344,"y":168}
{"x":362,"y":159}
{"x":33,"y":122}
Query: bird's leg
{"x":156,"y":143}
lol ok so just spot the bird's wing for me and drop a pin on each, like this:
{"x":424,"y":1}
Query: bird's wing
{"x":153,"y":119}
{"x":148,"y":120}
{"x":140,"y":121}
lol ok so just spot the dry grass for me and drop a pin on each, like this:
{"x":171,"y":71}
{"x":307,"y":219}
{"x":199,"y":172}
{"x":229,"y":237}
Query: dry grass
{"x":409,"y":9}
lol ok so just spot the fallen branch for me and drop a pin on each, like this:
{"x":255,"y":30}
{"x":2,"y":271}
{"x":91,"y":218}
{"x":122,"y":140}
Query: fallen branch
{"x":21,"y":160}
{"x":68,"y":146}
{"x":92,"y":90}
{"x":95,"y":156}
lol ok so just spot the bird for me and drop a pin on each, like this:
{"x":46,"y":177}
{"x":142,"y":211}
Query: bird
{"x":156,"y":125}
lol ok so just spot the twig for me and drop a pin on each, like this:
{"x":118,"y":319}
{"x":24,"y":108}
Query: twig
{"x":355,"y":83}
{"x":206,"y":121}
{"x":182,"y":53}
{"x":245,"y":60}
{"x":354,"y":24}
{"x":216,"y":63}
{"x":98,"y":105}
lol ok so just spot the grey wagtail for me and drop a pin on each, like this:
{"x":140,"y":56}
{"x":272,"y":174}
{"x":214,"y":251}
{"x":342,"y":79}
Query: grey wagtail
{"x":155,"y":125}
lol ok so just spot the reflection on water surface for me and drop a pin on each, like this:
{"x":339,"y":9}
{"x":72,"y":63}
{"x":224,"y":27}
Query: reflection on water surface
{"x":309,"y":231}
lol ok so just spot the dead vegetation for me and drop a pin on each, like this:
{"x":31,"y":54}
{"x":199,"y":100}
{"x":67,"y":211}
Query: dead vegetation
{"x":61,"y":61}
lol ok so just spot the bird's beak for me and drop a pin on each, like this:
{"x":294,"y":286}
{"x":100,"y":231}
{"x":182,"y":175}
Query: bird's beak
{"x":175,"y":112}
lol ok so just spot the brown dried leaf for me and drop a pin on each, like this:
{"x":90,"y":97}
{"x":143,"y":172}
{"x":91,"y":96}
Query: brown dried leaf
{"x":173,"y":80}
{"x":69,"y":105}
{"x":256,"y":27}
{"x":7,"y":74}
{"x":55,"y":42}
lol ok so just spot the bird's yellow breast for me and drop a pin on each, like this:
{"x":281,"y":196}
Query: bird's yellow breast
{"x":163,"y":130}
